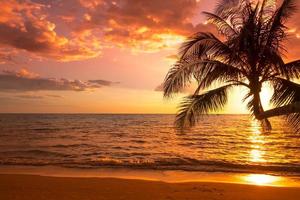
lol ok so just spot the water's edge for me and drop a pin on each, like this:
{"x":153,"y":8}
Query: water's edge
{"x":169,"y":176}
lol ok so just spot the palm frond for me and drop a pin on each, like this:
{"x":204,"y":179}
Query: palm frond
{"x":274,"y":64}
{"x":196,"y":105}
{"x":178,"y":77}
{"x":276,"y":31}
{"x":294,"y":121}
{"x":226,"y":8}
{"x":285,"y":92}
{"x":205,"y":72}
{"x":217,"y":71}
{"x":192,"y":43}
{"x":250,"y":102}
{"x":206,"y":45}
{"x":222,"y":25}
{"x":292,"y":69}
{"x":286,"y":10}
{"x":267,"y":9}
{"x":201,"y":45}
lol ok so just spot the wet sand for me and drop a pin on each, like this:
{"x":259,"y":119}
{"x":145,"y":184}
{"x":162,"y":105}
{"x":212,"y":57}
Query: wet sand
{"x":35,"y":187}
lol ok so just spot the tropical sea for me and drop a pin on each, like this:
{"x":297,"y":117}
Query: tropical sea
{"x":220,"y":143}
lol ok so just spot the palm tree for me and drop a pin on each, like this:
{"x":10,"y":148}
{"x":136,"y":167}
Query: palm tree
{"x":248,"y":53}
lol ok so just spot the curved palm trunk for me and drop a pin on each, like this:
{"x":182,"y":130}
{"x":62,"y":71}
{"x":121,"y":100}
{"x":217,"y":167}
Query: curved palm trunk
{"x":263,"y":116}
{"x":284,"y":110}
{"x":257,"y":108}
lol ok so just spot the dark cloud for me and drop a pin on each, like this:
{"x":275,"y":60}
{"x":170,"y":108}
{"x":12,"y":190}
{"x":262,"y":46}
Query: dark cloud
{"x":103,"y":82}
{"x":28,"y":81}
{"x":34,"y":96}
{"x":30,"y":96}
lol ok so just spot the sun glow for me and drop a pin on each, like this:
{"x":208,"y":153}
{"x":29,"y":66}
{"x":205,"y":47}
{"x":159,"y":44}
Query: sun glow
{"x":169,"y":39}
{"x":265,"y":96}
{"x":261,"y":179}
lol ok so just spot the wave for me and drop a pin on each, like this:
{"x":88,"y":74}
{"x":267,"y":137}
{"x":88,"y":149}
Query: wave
{"x":73,"y":145}
{"x":32,"y":153}
{"x":185,"y":164}
{"x":230,"y":143}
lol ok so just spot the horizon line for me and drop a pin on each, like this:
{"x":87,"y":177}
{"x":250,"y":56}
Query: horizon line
{"x":87,"y":113}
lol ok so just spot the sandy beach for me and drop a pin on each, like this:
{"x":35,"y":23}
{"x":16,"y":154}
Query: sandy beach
{"x":149,"y":100}
{"x":34,"y":187}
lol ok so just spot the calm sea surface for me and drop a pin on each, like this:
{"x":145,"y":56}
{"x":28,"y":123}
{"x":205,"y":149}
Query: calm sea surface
{"x":224,"y":143}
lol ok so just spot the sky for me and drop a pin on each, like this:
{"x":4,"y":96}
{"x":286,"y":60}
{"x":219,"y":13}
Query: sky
{"x":100,"y":56}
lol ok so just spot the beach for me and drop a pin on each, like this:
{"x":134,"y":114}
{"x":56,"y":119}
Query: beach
{"x":149,"y":100}
{"x":140,"y":157}
{"x":49,"y":183}
{"x":34,"y":187}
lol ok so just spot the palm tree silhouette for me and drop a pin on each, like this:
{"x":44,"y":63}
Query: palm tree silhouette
{"x":249,"y":54}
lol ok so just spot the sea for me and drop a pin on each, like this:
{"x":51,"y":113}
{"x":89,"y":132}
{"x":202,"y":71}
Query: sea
{"x":219,"y":143}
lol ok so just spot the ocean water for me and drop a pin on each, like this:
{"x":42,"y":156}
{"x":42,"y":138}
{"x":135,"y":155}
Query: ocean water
{"x":220,"y":143}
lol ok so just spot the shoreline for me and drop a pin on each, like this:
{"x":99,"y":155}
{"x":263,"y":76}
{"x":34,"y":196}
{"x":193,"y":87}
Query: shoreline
{"x":35,"y":187}
{"x":167,"y":176}
{"x":48,"y":183}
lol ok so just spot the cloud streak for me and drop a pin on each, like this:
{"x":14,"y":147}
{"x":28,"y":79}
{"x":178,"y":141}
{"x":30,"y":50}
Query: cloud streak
{"x":37,"y":97}
{"x":24,"y":80}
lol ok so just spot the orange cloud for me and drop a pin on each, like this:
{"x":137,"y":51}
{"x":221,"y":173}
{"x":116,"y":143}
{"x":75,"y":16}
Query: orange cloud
{"x":81,"y":29}
{"x":77,"y":30}
{"x":293,"y":42}
{"x":91,"y":4}
{"x":142,"y":24}
{"x":24,"y":26}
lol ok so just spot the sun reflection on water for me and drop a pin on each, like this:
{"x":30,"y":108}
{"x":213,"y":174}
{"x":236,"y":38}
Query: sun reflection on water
{"x":257,"y":141}
{"x":261,"y":179}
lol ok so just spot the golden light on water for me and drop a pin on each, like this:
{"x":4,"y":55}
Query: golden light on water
{"x":261,"y":179}
{"x":256,"y":156}
{"x":257,"y":141}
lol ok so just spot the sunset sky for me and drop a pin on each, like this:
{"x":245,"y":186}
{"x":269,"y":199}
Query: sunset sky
{"x":99,"y":56}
